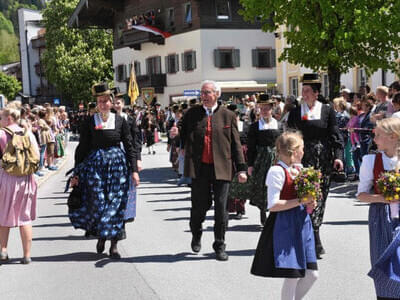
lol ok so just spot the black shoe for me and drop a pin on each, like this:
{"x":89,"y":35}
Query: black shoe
{"x":115,"y":254}
{"x":319,"y":249}
{"x":221,"y":255}
{"x":196,"y":244}
{"x":154,"y":152}
{"x":100,"y":246}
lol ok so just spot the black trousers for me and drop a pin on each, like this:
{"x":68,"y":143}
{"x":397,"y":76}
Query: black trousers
{"x":203,"y":189}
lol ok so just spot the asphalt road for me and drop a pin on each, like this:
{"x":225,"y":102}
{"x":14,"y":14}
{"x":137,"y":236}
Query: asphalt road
{"x":157,"y":260}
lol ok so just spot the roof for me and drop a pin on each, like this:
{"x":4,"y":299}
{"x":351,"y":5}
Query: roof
{"x":95,"y":13}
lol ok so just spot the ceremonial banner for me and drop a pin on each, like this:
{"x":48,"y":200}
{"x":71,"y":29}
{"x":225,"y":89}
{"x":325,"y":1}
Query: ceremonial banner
{"x":148,"y":95}
{"x":133,"y":91}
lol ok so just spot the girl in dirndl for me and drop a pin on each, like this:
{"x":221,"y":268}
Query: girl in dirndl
{"x":383,"y":219}
{"x":286,"y":248}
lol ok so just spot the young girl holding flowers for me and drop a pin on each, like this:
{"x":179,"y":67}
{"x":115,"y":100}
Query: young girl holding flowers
{"x":286,"y":247}
{"x":383,"y":216}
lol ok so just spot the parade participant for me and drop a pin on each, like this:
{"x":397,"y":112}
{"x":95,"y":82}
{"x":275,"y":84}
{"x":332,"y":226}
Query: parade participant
{"x":384,"y":107}
{"x":149,"y":126}
{"x":323,"y":142}
{"x":366,"y":125}
{"x":211,"y":143}
{"x":286,"y":247}
{"x":238,"y":191}
{"x":383,"y":221}
{"x":102,"y":170}
{"x":18,"y":194}
{"x":261,"y":153}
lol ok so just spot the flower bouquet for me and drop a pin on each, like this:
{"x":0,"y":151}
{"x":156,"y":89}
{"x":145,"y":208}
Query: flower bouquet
{"x":389,"y":186}
{"x":308,"y":184}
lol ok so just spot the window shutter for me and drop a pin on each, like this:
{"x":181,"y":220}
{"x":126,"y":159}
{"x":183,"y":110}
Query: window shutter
{"x":183,"y":62}
{"x":125,"y":73}
{"x":194,"y":60}
{"x":116,"y":73}
{"x":176,"y":63}
{"x":254,"y":55}
{"x":217,"y":58}
{"x":272,"y":58}
{"x":236,"y":58}
{"x":158,"y":66}
{"x":148,"y":66}
{"x":166,"y":65}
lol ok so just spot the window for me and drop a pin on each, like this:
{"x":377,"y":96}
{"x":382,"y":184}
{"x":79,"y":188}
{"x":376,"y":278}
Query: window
{"x":188,"y":13}
{"x":189,"y":61}
{"x":170,"y":18}
{"x":227,"y":58}
{"x":325,"y":85}
{"x":172,"y":63}
{"x":121,"y":73}
{"x":362,"y":79}
{"x":264,"y":58}
{"x":223,"y":10}
{"x":294,"y":86}
{"x":153,"y":65}
{"x":137,"y":68}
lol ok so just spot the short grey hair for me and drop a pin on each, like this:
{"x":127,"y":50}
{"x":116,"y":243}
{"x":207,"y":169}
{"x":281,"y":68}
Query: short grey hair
{"x":217,"y":88}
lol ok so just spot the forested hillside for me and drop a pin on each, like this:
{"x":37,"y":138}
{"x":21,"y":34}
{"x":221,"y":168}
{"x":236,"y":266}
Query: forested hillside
{"x":9,"y":51}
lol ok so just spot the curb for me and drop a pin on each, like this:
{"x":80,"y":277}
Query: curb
{"x":60,"y":165}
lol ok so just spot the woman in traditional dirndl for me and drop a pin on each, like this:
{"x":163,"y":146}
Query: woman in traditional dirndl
{"x":286,"y":247}
{"x":261,"y":154}
{"x":383,"y":219}
{"x":103,"y":170}
{"x":322,"y":140}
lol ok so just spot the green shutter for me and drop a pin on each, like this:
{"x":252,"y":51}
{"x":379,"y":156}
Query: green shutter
{"x":254,"y":55}
{"x":236,"y":58}
{"x":217,"y":58}
{"x":273,"y":58}
{"x":194,"y":60}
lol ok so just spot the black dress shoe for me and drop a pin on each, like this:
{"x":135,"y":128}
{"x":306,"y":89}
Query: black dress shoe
{"x":221,"y":255}
{"x":239,"y":216}
{"x":114,"y":254}
{"x":100,"y":246}
{"x":196,"y":245}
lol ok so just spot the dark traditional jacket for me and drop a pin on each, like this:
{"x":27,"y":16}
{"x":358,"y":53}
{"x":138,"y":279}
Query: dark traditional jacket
{"x":226,"y":146}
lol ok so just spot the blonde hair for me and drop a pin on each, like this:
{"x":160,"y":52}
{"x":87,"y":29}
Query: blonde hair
{"x":15,"y":104}
{"x":288,"y":142}
{"x":12,"y":112}
{"x":340,"y":102}
{"x":391,"y":126}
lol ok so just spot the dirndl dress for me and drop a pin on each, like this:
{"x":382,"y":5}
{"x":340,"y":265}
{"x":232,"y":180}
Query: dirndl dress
{"x":104,"y":182}
{"x":384,"y":242}
{"x":286,"y":247}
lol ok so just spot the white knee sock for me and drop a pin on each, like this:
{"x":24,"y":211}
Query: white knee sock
{"x":305,"y":284}
{"x":289,"y":288}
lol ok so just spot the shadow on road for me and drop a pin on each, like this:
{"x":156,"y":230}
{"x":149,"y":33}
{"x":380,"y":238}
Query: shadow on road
{"x":53,"y":198}
{"x":77,"y":256}
{"x":54,"y":216}
{"x":173,"y":209}
{"x":64,"y":238}
{"x":169,"y":200}
{"x":187,"y":218}
{"x":350,"y":222}
{"x":165,"y":193}
{"x":172,"y":258}
{"x":54,"y":225}
{"x":158,"y":175}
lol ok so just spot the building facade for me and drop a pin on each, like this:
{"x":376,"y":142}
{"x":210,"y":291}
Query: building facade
{"x":32,"y":44}
{"x":175,"y":45}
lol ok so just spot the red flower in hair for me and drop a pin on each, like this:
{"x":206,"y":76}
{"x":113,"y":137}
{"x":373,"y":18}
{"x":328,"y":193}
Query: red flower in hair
{"x":305,"y":117}
{"x":98,"y":127}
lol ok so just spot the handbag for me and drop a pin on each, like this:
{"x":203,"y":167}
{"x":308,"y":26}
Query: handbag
{"x":75,"y":198}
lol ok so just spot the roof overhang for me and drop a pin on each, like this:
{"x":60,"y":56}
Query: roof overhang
{"x":95,"y":14}
{"x":245,"y":86}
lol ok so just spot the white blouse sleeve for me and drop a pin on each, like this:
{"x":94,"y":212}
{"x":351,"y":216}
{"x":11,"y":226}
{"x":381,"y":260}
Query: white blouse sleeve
{"x":274,"y":182}
{"x":366,"y":174}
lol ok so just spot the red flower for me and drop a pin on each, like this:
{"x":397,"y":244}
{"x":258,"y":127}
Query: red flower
{"x":98,"y":127}
{"x":305,"y":117}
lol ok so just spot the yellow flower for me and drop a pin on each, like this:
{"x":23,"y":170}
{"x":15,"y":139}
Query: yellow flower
{"x":390,"y":198}
{"x":398,"y":189}
{"x":396,"y":197}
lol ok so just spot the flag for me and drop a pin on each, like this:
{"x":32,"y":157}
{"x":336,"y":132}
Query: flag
{"x":152,"y":29}
{"x":133,"y":91}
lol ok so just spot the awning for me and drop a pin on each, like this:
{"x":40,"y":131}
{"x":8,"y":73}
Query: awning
{"x":246,"y":86}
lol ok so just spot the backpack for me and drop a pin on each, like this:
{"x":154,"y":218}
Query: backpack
{"x":20,"y":157}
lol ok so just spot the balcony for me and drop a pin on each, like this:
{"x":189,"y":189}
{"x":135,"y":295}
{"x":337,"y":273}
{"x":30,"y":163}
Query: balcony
{"x":157,"y":81}
{"x":134,"y":38}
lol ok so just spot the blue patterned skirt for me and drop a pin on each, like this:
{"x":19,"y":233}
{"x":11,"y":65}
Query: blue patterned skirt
{"x":385,"y":251}
{"x":104,"y":181}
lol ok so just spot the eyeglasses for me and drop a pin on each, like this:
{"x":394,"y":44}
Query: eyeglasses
{"x":205,"y":92}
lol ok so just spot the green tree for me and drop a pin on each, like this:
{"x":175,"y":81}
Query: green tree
{"x":333,"y":35}
{"x":9,"y":86}
{"x":9,"y":51}
{"x":6,"y":24}
{"x":74,"y":59}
